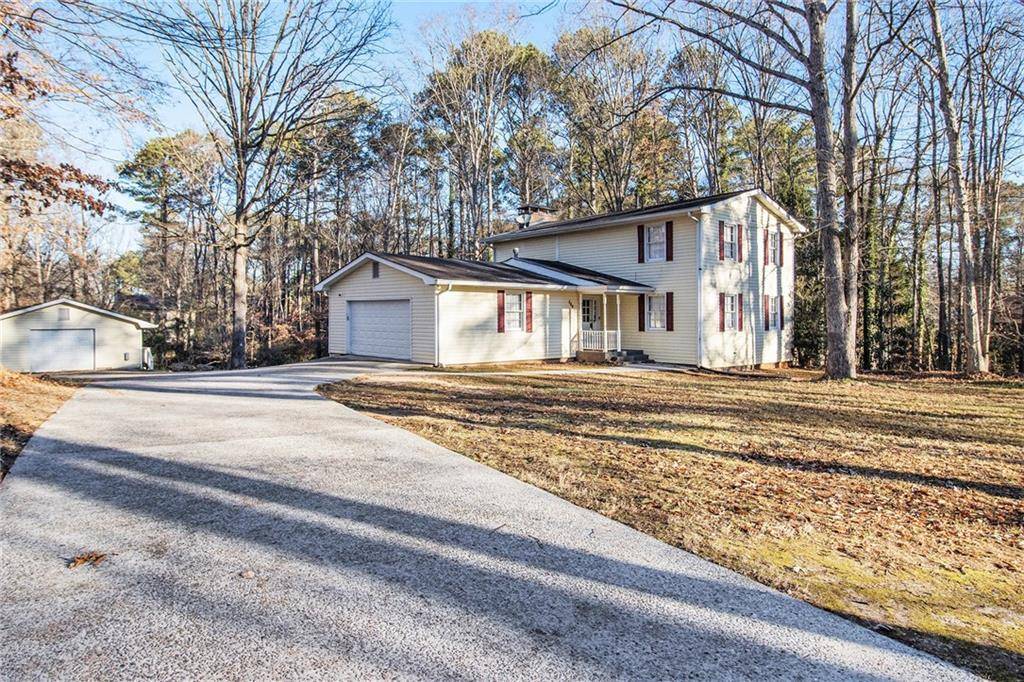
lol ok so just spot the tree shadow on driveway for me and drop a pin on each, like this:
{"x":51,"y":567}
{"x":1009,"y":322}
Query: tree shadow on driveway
{"x":621,"y":618}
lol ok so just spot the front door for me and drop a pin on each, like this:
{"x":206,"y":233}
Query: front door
{"x":591,"y":314}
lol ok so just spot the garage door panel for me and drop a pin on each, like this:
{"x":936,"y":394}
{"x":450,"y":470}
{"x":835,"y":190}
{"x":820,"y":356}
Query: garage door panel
{"x":62,"y":350}
{"x":380,"y":328}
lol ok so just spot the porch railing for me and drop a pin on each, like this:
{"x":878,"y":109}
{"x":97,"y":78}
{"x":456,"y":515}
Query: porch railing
{"x":599,"y":339}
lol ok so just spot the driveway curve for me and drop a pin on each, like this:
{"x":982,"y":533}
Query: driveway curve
{"x":255,"y":530}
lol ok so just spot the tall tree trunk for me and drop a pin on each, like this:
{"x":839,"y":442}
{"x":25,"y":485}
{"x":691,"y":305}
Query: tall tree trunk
{"x":975,"y":359}
{"x":851,"y":150}
{"x":239,"y":292}
{"x":839,"y":355}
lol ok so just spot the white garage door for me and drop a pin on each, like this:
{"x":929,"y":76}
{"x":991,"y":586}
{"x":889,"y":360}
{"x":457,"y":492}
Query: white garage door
{"x":61,"y":350}
{"x":382,"y":329}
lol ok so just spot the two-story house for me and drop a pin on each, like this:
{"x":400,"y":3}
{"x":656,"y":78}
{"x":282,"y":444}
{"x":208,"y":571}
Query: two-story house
{"x":705,"y":282}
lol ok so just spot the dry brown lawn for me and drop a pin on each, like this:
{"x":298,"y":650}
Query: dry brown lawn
{"x":25,"y":403}
{"x":897,"y":503}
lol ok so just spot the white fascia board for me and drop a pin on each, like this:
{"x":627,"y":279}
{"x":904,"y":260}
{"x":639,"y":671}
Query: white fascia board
{"x":779,"y":211}
{"x":505,"y":285}
{"x":352,"y":265}
{"x":141,"y":324}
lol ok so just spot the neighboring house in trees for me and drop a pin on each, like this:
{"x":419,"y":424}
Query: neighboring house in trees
{"x":66,"y":335}
{"x":705,"y":282}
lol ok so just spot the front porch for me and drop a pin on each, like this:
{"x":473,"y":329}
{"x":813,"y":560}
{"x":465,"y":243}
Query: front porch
{"x":600,"y":337}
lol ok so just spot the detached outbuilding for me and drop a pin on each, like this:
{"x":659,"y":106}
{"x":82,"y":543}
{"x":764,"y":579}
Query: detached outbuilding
{"x":64,"y":335}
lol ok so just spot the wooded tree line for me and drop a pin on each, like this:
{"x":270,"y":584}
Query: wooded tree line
{"x":892,"y":130}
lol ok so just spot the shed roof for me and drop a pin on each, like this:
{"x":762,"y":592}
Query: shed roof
{"x":141,"y":324}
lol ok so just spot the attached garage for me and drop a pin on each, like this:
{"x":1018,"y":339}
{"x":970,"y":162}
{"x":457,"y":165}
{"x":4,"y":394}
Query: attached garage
{"x":444,"y":311}
{"x":65,"y":335}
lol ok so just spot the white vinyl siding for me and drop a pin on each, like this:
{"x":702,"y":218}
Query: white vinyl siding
{"x":613,"y":251}
{"x":469,"y":327}
{"x":390,"y":285}
{"x":113,"y":338}
{"x":754,"y":345}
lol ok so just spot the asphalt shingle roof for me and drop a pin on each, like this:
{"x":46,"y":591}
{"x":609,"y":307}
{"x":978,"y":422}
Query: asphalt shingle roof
{"x":477,"y":271}
{"x":588,"y":222}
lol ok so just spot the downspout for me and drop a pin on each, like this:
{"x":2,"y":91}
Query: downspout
{"x":705,"y":214}
{"x":437,"y":322}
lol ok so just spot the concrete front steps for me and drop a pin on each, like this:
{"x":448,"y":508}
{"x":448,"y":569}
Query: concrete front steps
{"x":627,"y":355}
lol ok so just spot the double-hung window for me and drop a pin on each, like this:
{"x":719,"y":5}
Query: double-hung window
{"x":655,"y":243}
{"x":731,"y":312}
{"x":729,"y":246}
{"x":773,"y":248}
{"x":513,"y":312}
{"x":656,"y":317}
{"x":773,"y":312}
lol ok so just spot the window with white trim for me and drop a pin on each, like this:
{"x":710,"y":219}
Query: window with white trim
{"x":773,"y":248}
{"x":729,"y":242}
{"x":513,"y":312}
{"x":655,"y":243}
{"x":589,"y":312}
{"x":656,"y":312}
{"x":732,"y":316}
{"x":375,"y":270}
{"x":773,"y":312}
{"x":63,"y":314}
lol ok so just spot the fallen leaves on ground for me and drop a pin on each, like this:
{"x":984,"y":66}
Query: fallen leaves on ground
{"x":25,"y":403}
{"x":93,"y":558}
{"x":896,"y":502}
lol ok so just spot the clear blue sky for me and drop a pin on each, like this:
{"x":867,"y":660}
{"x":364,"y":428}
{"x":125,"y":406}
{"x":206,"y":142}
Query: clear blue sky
{"x":104,"y":146}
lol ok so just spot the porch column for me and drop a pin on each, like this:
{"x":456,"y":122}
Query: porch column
{"x":579,"y":321}
{"x":618,"y":321}
{"x":604,"y":321}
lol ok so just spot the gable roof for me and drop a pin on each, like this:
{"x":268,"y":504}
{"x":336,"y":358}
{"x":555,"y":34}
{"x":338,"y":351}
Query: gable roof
{"x":448,"y":271}
{"x":141,"y":324}
{"x":618,"y":217}
{"x":520,"y":272}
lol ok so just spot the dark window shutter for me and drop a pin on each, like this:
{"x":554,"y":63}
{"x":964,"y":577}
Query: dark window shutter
{"x":721,"y":312}
{"x":668,"y":240}
{"x":640,"y":312}
{"x":529,"y":311}
{"x":739,"y":243}
{"x":766,"y":242}
{"x":670,"y":323}
{"x":782,"y":313}
{"x":639,"y":243}
{"x":767,"y":312}
{"x":721,"y":240}
{"x":739,"y":311}
{"x":501,"y":312}
{"x":782,"y":248}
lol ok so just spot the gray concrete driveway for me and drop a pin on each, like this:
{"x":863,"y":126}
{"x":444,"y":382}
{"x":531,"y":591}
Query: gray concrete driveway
{"x":374,"y":553}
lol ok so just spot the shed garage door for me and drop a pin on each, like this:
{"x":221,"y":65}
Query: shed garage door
{"x":381,"y":329}
{"x":61,"y":350}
